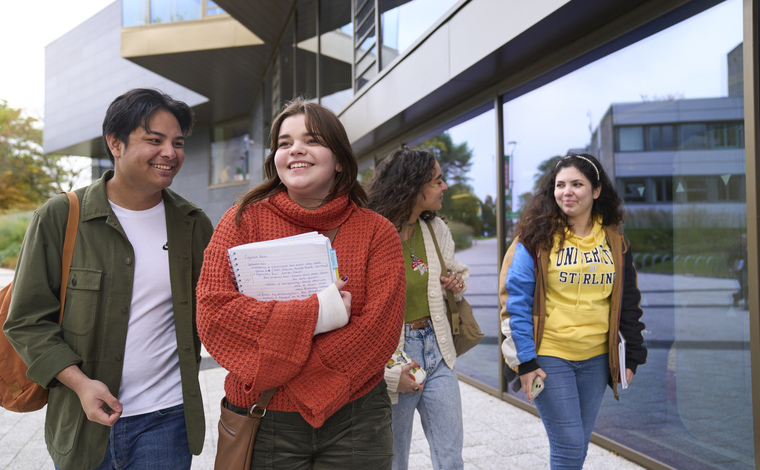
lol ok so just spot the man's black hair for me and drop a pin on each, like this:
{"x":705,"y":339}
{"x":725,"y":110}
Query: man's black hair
{"x":134,"y":109}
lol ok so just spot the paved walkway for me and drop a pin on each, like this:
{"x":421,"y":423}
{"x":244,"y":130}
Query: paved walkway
{"x":497,"y":434}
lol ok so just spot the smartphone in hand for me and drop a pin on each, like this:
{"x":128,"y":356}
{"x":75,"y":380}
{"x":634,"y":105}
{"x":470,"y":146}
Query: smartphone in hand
{"x":538,"y":386}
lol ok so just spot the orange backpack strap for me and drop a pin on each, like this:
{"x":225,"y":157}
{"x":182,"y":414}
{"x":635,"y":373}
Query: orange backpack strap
{"x":68,"y":246}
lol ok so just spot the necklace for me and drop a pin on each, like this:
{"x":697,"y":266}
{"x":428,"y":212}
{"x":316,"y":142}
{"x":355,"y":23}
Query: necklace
{"x":417,"y":264}
{"x":413,"y":246}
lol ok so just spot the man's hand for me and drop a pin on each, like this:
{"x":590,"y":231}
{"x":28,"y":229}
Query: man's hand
{"x":97,"y":402}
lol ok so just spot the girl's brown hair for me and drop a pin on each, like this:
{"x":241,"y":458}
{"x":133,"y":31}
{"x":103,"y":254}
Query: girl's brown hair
{"x":397,"y":182}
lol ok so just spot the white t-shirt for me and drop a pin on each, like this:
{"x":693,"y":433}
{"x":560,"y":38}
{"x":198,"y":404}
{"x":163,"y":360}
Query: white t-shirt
{"x":150,"y":379}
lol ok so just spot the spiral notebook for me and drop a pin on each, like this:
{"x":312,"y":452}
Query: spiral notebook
{"x":285,"y":268}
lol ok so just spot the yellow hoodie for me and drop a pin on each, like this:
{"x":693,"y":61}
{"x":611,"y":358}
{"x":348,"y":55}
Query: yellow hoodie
{"x":579,"y":285}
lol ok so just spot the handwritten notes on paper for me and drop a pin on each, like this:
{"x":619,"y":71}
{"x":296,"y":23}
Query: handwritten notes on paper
{"x":286,"y":268}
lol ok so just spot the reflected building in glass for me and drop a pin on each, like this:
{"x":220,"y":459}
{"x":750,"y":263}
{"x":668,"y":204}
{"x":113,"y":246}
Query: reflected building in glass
{"x":664,"y":92}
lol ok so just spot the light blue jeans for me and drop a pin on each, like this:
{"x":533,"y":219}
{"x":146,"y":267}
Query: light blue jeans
{"x":151,"y":440}
{"x":569,"y":404}
{"x":439,"y":405}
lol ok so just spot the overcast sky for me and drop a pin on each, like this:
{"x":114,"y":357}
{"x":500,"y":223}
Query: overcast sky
{"x":26,"y":27}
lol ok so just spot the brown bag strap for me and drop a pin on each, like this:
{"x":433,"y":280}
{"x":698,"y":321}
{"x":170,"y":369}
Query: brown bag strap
{"x":68,"y":246}
{"x":331,"y":233}
{"x":453,"y":309}
{"x":260,"y":408}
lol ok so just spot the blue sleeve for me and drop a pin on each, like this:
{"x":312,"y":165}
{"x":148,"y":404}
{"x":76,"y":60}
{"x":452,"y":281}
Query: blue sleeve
{"x":520,"y":284}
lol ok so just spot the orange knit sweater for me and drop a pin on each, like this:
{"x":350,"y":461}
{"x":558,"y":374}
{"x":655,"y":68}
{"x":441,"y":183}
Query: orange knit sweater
{"x":271,"y":344}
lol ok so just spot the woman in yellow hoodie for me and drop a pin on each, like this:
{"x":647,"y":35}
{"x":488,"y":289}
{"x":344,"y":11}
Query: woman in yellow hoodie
{"x":568,"y":293}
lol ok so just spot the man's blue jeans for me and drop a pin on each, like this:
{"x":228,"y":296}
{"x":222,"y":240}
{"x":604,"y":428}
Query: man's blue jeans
{"x":439,"y":405}
{"x":150,"y":440}
{"x":569,"y":404}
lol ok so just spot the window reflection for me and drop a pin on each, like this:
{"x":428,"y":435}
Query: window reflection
{"x":142,"y":12}
{"x":403,"y":22}
{"x":134,"y":13}
{"x":167,"y":11}
{"x":306,"y":53}
{"x":666,"y":120}
{"x":213,"y":9}
{"x":336,"y":56}
{"x":229,"y":153}
{"x":466,"y":155}
{"x":283,"y":68}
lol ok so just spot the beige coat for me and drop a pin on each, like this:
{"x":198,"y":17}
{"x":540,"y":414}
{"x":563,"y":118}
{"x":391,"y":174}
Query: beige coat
{"x":436,"y":298}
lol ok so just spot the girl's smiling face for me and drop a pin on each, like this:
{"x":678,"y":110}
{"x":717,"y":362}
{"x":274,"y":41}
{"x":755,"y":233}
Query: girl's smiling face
{"x":575,"y":195}
{"x":305,"y":166}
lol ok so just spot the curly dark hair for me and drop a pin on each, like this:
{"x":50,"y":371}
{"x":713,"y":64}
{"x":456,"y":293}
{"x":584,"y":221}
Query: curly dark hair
{"x":397,"y":181}
{"x":542,"y":217}
{"x":325,"y":126}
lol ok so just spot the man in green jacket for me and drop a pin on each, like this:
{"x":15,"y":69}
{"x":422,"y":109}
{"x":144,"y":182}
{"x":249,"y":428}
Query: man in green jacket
{"x":122,"y":368}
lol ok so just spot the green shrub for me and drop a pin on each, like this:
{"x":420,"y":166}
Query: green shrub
{"x":462,"y":234}
{"x":687,"y":240}
{"x":12,"y":230}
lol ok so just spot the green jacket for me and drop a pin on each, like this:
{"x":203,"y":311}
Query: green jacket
{"x":98,"y":298}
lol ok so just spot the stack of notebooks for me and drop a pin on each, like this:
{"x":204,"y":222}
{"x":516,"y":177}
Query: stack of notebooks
{"x":286,"y":268}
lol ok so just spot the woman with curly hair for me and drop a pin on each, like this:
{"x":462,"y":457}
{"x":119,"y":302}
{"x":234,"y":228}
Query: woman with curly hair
{"x":325,"y":355}
{"x":568,"y":294}
{"x":407,"y":188}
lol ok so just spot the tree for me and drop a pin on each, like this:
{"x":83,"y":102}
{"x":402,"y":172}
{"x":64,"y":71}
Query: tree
{"x":459,"y":202}
{"x":28,"y":177}
{"x":543,"y":167}
{"x":455,"y":159}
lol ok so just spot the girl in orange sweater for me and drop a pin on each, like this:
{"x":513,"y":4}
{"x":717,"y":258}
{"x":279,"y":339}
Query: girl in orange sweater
{"x":326,"y":354}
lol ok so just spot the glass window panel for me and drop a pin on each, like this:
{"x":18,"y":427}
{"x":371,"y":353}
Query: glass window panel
{"x":688,"y":237}
{"x":731,"y":188}
{"x":660,"y":137}
{"x":336,"y":55}
{"x":306,"y":56}
{"x":633,"y":189}
{"x":668,"y":136}
{"x":268,"y":109}
{"x":404,"y":22}
{"x":718,"y":136}
{"x":630,"y":139}
{"x":134,"y":13}
{"x":167,"y":11}
{"x":663,"y":187}
{"x":285,"y":66}
{"x":726,"y":135}
{"x":367,"y":76}
{"x":229,"y":153}
{"x":694,"y":136}
{"x":364,"y":22}
{"x":213,"y":9}
{"x":366,"y":61}
{"x":692,"y":189}
{"x":466,"y":153}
